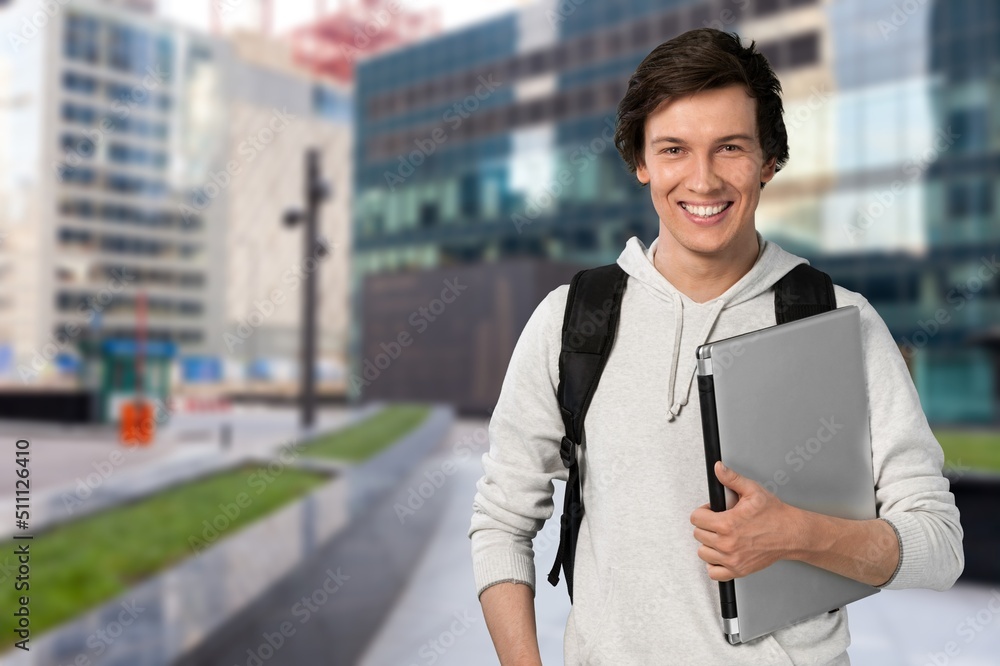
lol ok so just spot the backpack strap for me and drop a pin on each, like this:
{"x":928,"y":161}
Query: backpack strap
{"x":802,"y":292}
{"x":588,"y":333}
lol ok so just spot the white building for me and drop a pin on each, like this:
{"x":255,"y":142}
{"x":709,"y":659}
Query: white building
{"x":276,"y":114}
{"x":140,"y":157}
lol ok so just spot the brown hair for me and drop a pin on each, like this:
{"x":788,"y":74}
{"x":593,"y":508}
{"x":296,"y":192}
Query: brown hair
{"x":697,"y":60}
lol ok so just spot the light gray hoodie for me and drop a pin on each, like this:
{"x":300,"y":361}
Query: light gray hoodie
{"x":641,"y":594}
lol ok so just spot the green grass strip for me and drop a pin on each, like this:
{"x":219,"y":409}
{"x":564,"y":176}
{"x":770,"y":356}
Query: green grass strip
{"x":970,"y":450}
{"x":365,"y":439}
{"x":78,"y":565}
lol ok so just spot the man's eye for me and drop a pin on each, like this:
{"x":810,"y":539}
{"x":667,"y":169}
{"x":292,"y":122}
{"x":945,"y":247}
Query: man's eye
{"x":673,"y":150}
{"x":730,"y":148}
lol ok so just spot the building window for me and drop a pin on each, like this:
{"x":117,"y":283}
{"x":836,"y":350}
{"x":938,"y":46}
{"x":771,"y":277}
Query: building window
{"x":79,"y":83}
{"x":80,"y":145}
{"x":972,"y":129}
{"x":165,"y":58}
{"x":773,"y":51}
{"x":982,"y":198}
{"x":669,"y":25}
{"x":129,"y":49}
{"x":129,"y":95}
{"x":614,"y":43}
{"x":123,"y":154}
{"x":966,"y":199}
{"x":77,"y":175}
{"x":189,"y":308}
{"x":640,"y":33}
{"x":468,"y":197}
{"x":75,"y":237}
{"x":76,"y":208}
{"x":74,"y":113}
{"x":81,"y":38}
{"x":803,"y":50}
{"x":766,"y":7}
{"x":957,"y":200}
{"x":428,"y":215}
{"x":585,"y":239}
{"x":330,"y":104}
{"x":124,"y":184}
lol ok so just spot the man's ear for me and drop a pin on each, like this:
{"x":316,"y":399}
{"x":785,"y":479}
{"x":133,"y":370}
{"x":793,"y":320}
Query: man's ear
{"x":641,"y":172}
{"x":768,"y":169}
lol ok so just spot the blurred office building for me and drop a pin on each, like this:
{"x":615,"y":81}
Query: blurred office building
{"x":493,"y":145}
{"x":144,"y":172}
{"x":110,"y":116}
{"x":309,"y":74}
{"x":277,"y":111}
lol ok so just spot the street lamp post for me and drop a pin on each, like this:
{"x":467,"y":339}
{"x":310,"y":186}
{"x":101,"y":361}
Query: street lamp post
{"x":316,"y":191}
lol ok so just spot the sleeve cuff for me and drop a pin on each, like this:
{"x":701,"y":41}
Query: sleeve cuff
{"x":913,"y":552}
{"x":506,"y":567}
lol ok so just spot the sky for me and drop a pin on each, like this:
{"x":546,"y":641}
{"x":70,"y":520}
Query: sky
{"x":292,"y":13}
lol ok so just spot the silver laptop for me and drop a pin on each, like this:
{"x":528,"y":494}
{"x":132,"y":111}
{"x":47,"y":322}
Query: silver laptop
{"x":787,"y":406}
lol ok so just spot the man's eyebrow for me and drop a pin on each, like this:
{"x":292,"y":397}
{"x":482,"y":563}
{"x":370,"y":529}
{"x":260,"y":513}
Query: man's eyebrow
{"x":721,"y":139}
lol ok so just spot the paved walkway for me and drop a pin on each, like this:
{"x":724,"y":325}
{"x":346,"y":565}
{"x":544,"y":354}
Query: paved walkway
{"x":63,"y":455}
{"x":437,"y":618}
{"x":79,"y":470}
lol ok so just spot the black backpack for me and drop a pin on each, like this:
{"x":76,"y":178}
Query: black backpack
{"x":588,"y":332}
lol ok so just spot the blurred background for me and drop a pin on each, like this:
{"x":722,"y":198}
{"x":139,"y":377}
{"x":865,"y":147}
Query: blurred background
{"x":201,"y":198}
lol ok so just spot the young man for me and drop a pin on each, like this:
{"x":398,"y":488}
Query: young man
{"x":701,"y":125}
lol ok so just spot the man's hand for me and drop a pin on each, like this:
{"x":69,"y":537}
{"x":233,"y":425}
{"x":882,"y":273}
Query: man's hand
{"x":760,"y":529}
{"x":755,"y":533}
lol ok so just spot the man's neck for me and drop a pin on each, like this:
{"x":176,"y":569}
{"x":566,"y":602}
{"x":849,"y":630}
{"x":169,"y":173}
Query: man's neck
{"x":700,"y":277}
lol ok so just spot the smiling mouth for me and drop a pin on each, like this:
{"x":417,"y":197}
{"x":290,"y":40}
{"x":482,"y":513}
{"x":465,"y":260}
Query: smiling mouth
{"x":706,"y":211}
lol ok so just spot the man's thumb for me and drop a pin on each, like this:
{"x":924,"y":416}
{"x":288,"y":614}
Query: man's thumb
{"x":730,"y":479}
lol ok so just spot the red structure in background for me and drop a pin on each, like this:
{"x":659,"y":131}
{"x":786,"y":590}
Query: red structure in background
{"x":137,"y":426}
{"x":330,"y":46}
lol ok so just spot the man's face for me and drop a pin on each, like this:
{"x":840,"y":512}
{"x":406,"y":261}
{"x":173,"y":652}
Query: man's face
{"x":703,"y":163}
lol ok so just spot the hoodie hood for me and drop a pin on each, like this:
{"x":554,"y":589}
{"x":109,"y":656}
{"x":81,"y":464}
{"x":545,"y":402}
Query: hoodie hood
{"x":637,"y":260}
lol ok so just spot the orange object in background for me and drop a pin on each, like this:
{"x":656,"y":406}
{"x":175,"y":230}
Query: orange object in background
{"x":137,"y":424}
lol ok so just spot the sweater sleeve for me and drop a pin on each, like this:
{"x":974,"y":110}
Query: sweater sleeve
{"x":911,"y":494}
{"x":514,"y":495}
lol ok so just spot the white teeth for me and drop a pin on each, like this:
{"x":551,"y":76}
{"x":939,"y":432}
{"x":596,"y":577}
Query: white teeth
{"x":705,"y":211}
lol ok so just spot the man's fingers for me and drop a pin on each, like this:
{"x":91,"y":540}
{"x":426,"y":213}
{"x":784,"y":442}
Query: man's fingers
{"x":705,"y":518}
{"x":732,"y":480}
{"x":705,"y":537}
{"x":718,"y":573}
{"x":710,"y":555}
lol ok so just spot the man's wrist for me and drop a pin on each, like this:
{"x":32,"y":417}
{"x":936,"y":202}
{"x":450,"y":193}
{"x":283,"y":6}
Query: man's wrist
{"x":808,"y":534}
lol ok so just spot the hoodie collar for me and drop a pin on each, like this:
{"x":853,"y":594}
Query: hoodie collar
{"x":637,"y":261}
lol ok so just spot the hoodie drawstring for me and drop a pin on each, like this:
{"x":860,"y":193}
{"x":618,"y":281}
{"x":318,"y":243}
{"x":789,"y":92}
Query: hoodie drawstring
{"x":639,"y":261}
{"x":678,"y":325}
{"x":675,"y":406}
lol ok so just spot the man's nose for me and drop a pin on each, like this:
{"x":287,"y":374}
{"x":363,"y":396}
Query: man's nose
{"x":703,"y":177}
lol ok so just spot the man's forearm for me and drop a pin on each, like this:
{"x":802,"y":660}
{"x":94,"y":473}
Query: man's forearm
{"x":863,"y":550}
{"x":509,"y":609}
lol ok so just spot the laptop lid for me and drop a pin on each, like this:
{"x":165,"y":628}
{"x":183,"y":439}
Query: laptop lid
{"x":792,"y":414}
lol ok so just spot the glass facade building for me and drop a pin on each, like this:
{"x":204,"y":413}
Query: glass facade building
{"x":494,"y":142}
